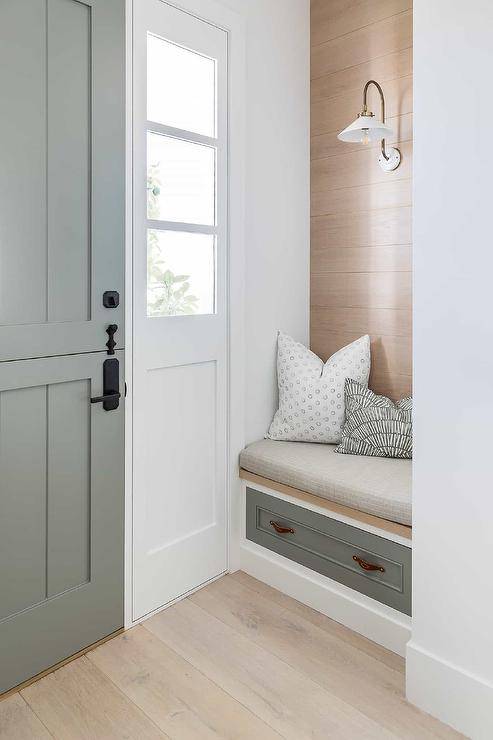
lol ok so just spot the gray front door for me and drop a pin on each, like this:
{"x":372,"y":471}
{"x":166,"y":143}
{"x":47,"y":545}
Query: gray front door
{"x":61,"y":247}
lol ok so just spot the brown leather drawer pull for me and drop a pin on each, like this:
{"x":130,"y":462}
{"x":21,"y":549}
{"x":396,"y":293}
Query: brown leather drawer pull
{"x":367,"y":566}
{"x":280,"y":529}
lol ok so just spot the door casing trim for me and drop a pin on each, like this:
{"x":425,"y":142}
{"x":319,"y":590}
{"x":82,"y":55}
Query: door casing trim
{"x":233,"y":24}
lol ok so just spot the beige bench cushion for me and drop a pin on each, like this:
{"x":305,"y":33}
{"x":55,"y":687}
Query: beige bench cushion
{"x":375,"y":485}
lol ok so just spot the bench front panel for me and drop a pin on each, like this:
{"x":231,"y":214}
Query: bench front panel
{"x":365,"y":562}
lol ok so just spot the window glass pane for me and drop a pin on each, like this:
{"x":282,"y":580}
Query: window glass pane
{"x":180,"y":273}
{"x":181,"y":87}
{"x":180,"y":180}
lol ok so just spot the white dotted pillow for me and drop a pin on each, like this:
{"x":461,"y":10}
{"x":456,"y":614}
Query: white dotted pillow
{"x":311,"y":392}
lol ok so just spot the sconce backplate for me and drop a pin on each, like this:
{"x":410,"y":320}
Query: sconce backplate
{"x":393,"y":161}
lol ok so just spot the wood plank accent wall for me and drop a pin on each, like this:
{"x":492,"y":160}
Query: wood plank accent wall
{"x":361,"y":216}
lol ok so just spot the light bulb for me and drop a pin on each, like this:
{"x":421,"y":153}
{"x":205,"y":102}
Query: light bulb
{"x":365,"y":139}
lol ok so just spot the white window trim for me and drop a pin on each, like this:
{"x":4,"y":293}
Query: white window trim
{"x":213,"y":12}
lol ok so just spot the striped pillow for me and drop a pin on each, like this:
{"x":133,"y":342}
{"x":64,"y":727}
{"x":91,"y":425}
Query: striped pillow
{"x":375,"y":425}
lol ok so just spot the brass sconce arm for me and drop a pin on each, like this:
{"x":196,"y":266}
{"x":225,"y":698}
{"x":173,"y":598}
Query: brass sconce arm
{"x":365,"y":111}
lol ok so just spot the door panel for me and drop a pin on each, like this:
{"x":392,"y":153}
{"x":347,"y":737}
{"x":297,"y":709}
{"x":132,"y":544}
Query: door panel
{"x":180,"y":371}
{"x":62,"y":181}
{"x":23,"y":500}
{"x":62,"y":174}
{"x":186,"y":394}
{"x":183,"y":517}
{"x":68,"y":183}
{"x":45,"y":471}
{"x":68,"y":474}
{"x":61,"y":512}
{"x":23,"y":170}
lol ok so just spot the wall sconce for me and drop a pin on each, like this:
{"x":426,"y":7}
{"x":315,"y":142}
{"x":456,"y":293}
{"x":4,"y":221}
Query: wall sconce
{"x":367,"y":128}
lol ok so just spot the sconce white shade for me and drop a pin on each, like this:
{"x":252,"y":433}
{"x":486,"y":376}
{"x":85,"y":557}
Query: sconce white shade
{"x":364,"y":129}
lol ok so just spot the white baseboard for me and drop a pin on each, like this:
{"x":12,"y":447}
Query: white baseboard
{"x":375,"y":621}
{"x":449,"y":693}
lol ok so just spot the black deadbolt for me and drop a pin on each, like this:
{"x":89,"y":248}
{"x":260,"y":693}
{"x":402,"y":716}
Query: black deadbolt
{"x":111,"y":299}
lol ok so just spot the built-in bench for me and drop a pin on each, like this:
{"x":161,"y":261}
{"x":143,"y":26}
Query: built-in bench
{"x":377,"y":486}
{"x":345,"y":516}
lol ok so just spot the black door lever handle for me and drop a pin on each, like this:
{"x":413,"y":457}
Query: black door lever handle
{"x":107,"y":397}
{"x":111,"y":386}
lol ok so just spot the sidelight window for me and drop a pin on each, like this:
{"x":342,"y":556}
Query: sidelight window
{"x":182,"y":154}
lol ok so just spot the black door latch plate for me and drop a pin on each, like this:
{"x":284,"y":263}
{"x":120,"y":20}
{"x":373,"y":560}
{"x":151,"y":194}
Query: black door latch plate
{"x":111,"y":386}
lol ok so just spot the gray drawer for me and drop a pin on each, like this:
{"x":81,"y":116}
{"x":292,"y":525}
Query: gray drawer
{"x":339,"y":551}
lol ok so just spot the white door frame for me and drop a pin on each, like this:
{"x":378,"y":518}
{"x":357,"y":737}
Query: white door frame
{"x":215,"y":13}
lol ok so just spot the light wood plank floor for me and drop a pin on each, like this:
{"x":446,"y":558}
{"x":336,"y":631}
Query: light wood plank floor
{"x":236,"y":660}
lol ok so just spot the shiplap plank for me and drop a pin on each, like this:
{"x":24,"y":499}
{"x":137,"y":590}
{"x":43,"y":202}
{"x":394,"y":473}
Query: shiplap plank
{"x":354,"y":168}
{"x":333,"y":114}
{"x":374,"y":321}
{"x":377,"y":39}
{"x":363,"y":198}
{"x":367,"y":229}
{"x":362,"y":290}
{"x":389,"y":355}
{"x":339,"y":17}
{"x":384,"y":69}
{"x":392,"y":385}
{"x":328,"y":145}
{"x":361,"y":259}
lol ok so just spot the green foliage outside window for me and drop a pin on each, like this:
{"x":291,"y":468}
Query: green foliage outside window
{"x":167,"y":294}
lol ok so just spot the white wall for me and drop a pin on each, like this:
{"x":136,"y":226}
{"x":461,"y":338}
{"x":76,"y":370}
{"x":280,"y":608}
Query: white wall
{"x":277,"y":241}
{"x":450,"y":657}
